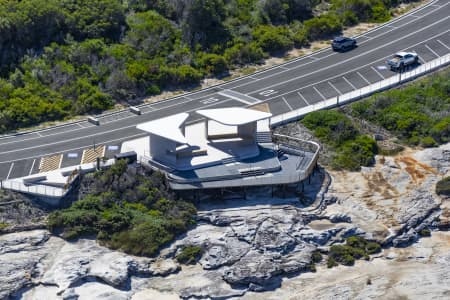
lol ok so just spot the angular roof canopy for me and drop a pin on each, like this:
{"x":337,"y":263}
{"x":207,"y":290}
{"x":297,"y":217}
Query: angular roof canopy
{"x":168,"y":127}
{"x":234,"y":116}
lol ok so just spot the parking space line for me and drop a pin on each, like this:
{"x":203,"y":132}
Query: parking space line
{"x":364,"y":78}
{"x":443,"y":44}
{"x":303,"y":98}
{"x":10,"y":169}
{"x":320,"y":94}
{"x":38,"y":133}
{"x":335,"y":88}
{"x":32,"y":166}
{"x":431,"y":50}
{"x":376,"y":71}
{"x":288,"y":105}
{"x":351,"y":84}
{"x":422,"y":61}
{"x":79,"y":124}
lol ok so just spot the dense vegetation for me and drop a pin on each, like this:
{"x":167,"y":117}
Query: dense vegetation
{"x":126,"y":211}
{"x":351,"y":149}
{"x":59,"y":58}
{"x":355,"y":248}
{"x":418,"y":114}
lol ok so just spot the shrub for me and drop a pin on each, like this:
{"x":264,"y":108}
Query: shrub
{"x":331,"y":262}
{"x":323,"y":27}
{"x":273,"y":39}
{"x":428,"y":142}
{"x":190,"y":254}
{"x":316,"y":256}
{"x":443,"y":187}
{"x":355,"y":248}
{"x":425,"y":232}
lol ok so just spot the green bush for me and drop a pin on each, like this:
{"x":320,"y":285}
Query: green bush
{"x":425,"y":232}
{"x":135,"y":216}
{"x":190,"y":254}
{"x":323,"y":27}
{"x":331,"y":262}
{"x":355,"y":248}
{"x":443,"y":186}
{"x":316,"y":256}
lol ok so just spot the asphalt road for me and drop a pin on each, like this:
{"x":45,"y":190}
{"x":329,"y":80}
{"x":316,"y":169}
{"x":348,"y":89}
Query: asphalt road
{"x":292,"y":85}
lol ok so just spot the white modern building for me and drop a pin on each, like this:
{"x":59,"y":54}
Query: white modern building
{"x":228,"y":147}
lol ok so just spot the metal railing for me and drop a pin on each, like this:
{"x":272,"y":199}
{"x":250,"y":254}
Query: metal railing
{"x":387,"y":83}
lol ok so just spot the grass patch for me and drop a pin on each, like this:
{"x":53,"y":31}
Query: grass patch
{"x":3,"y":225}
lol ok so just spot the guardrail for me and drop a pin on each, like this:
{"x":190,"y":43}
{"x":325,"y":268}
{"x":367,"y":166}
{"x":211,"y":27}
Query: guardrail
{"x":143,"y":105}
{"x":387,"y":83}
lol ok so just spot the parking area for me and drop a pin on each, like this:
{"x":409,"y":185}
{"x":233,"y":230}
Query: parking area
{"x":282,"y":100}
{"x":26,"y":167}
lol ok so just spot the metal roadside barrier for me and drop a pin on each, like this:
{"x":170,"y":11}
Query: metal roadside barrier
{"x":385,"y":84}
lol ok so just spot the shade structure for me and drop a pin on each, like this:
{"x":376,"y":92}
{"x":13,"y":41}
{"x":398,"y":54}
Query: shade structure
{"x":168,"y":127}
{"x":234,"y":116}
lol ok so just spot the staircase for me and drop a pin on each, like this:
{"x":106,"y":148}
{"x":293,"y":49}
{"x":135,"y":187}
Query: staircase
{"x":264,"y":137}
{"x":251,"y":172}
{"x":229,"y":160}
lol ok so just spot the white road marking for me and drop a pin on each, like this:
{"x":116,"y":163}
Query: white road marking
{"x":379,"y":74}
{"x":360,"y":67}
{"x":303,"y":98}
{"x":417,"y":17}
{"x":432,"y":51}
{"x":359,"y":55}
{"x":320,"y":94}
{"x":80,"y":125}
{"x":290,"y":62}
{"x":60,"y":161}
{"x":364,"y":78}
{"x":351,"y":84}
{"x":288,"y":105}
{"x":209,"y":100}
{"x":443,"y":44}
{"x":314,"y":58}
{"x":422,"y":60}
{"x":267,"y":93}
{"x":85,"y":137}
{"x":284,"y":68}
{"x":244,"y":98}
{"x":38,"y":133}
{"x":10,"y":169}
{"x":32,"y":166}
{"x":335,"y":88}
{"x":72,"y":155}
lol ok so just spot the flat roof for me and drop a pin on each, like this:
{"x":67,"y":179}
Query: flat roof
{"x":234,"y":116}
{"x":168,"y":127}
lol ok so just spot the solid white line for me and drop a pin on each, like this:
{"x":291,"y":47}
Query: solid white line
{"x":60,"y":161}
{"x":443,"y":44}
{"x":349,"y":59}
{"x":360,"y":67}
{"x":379,"y":74}
{"x":422,"y":61}
{"x":335,"y":88}
{"x":290,"y":107}
{"x":314,"y":58}
{"x":320,"y":94}
{"x":228,"y":95}
{"x":367,"y":81}
{"x":292,"y":61}
{"x":10,"y":169}
{"x":351,"y":84}
{"x":432,"y":51}
{"x":84,"y":137}
{"x":32,"y":166}
{"x":303,"y":98}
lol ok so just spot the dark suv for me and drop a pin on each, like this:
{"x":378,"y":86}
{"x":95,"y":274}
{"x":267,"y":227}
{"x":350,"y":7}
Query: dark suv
{"x":343,"y":43}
